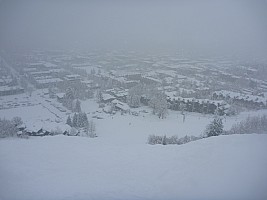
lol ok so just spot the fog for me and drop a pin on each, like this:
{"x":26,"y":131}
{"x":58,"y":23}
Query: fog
{"x":224,"y":27}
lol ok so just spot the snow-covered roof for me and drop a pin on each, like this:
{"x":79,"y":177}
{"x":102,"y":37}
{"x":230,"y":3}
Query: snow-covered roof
{"x":9,"y":88}
{"x":73,"y":76}
{"x":29,"y":69}
{"x":60,"y":95}
{"x":171,"y":73}
{"x":56,"y":70}
{"x":197,"y":100}
{"x":121,"y":105}
{"x":153,"y":79}
{"x":50,"y":80}
{"x":246,"y":97}
{"x":49,"y":65}
{"x":40,"y":72}
{"x":107,"y":97}
{"x":47,"y":126}
{"x":36,"y":63}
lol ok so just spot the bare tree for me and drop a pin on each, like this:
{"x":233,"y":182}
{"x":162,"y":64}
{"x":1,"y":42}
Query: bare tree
{"x":91,"y":129}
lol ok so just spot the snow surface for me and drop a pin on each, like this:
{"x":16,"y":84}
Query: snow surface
{"x":61,"y":167}
{"x":118,"y":164}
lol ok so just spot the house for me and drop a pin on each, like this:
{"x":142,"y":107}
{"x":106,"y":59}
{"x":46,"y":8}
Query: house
{"x":47,"y":82}
{"x":73,"y":77}
{"x":107,"y":98}
{"x":120,"y":106}
{"x":7,"y":90}
{"x":60,"y":97}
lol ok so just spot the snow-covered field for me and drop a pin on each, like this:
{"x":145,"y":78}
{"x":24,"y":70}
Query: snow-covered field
{"x":61,"y":167}
{"x":119,"y":164}
{"x":47,"y":113}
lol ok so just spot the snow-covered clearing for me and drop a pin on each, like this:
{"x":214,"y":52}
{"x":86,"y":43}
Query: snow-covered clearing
{"x":118,"y":164}
{"x":61,"y":167}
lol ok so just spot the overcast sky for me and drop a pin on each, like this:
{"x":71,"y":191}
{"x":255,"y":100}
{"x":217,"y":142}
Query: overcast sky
{"x":228,"y":26}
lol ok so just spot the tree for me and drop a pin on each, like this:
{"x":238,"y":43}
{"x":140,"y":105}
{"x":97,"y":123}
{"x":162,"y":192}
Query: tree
{"x":133,"y":100}
{"x":69,"y":121}
{"x":99,"y":96}
{"x":182,"y":107}
{"x":90,"y":94}
{"x":164,"y":140}
{"x":68,"y":99}
{"x":163,"y":108}
{"x":159,"y":104}
{"x":134,"y":95}
{"x":93,"y":71}
{"x":17,"y":121}
{"x":51,"y":92}
{"x":77,"y":106}
{"x":30,"y":90}
{"x":215,"y":128}
{"x":82,"y":120}
{"x":90,"y":129}
{"x":69,"y":94}
{"x":8,"y":128}
{"x":75,"y":120}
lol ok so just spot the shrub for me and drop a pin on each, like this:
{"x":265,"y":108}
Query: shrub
{"x":215,"y":128}
{"x":9,"y":128}
{"x":164,"y":140}
{"x":256,"y":124}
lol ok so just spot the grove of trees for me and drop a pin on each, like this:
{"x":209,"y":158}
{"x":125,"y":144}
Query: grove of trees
{"x":10,"y":128}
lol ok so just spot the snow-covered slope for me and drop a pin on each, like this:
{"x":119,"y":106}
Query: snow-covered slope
{"x":60,"y":167}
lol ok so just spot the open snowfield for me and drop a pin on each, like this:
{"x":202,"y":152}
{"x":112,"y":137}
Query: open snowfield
{"x":61,"y":167}
{"x":119,"y":164}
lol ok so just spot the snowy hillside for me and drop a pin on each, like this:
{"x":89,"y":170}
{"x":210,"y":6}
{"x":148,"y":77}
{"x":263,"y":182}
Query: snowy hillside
{"x":60,"y":167}
{"x":133,"y":100}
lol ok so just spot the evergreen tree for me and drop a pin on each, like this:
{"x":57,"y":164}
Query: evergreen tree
{"x":69,"y":94}
{"x":85,"y":120}
{"x":79,"y":120}
{"x":90,"y":94}
{"x":77,"y":106}
{"x":75,"y":120}
{"x":164,"y":140}
{"x":133,"y":100}
{"x":134,"y":95}
{"x":99,"y":96}
{"x":69,"y":121}
{"x":82,"y":120}
{"x":93,"y":71}
{"x":68,"y":99}
{"x":215,"y":128}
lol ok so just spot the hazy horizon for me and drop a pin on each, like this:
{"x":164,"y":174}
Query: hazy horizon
{"x":221,"y":27}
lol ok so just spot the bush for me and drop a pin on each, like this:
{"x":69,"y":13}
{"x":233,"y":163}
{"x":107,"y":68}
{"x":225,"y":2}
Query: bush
{"x":56,"y":131}
{"x":9,"y":128}
{"x":215,"y":128}
{"x":91,"y":129}
{"x":155,"y":139}
{"x":73,"y":132}
{"x":250,"y":125}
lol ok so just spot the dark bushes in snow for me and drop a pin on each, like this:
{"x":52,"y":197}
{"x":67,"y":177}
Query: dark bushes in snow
{"x":164,"y":140}
{"x":10,"y":128}
{"x":250,"y":125}
{"x":215,"y":128}
{"x":257,"y":124}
